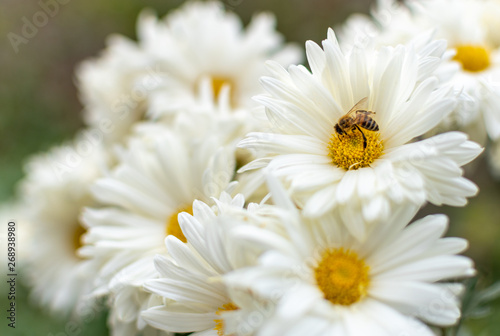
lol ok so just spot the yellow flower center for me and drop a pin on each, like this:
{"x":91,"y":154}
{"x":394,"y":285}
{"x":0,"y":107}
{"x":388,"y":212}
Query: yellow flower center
{"x":342,"y":276}
{"x":219,"y":323}
{"x":77,"y":236}
{"x":173,"y":227}
{"x":473,"y":58}
{"x":347,"y":150}
{"x":218,"y":83}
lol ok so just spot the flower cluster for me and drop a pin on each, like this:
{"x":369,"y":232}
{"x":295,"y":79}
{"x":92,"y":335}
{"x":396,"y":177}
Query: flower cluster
{"x":221,"y":189}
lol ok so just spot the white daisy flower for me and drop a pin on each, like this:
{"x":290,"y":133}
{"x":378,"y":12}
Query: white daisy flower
{"x":206,"y":55}
{"x":197,"y":55}
{"x":53,"y":194}
{"x":323,"y":281}
{"x":160,"y":174}
{"x":190,"y":274}
{"x":362,"y":167}
{"x":469,"y":28}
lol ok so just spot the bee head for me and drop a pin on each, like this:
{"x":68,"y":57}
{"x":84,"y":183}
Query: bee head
{"x":345,"y":122}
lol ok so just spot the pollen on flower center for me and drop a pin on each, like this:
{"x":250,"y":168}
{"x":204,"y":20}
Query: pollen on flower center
{"x":219,"y":323}
{"x":77,"y":236}
{"x":342,"y":276}
{"x":173,"y":227}
{"x":347,"y":150}
{"x":473,"y":58}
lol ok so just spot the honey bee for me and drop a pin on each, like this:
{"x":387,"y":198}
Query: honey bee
{"x":362,"y":118}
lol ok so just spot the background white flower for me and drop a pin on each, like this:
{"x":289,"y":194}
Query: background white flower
{"x":325,"y":170}
{"x":206,"y":55}
{"x":160,"y":174}
{"x":54,"y":192}
{"x":197,"y":55}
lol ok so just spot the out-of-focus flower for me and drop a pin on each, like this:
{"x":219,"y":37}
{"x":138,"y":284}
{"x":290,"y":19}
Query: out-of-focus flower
{"x":53,"y":195}
{"x":161,"y":172}
{"x":197,"y":55}
{"x":365,"y":166}
{"x":207,"y":55}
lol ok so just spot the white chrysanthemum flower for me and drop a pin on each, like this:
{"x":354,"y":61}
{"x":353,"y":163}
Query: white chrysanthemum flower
{"x":190,"y":273}
{"x":358,"y":170}
{"x":198,"y":54}
{"x":54,"y":193}
{"x":160,"y":174}
{"x":323,"y":281}
{"x":206,"y":55}
{"x":469,"y":28}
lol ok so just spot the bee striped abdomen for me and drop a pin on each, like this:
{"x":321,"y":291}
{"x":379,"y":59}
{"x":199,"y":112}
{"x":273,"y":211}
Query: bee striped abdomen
{"x":371,"y":125}
{"x":365,"y":121}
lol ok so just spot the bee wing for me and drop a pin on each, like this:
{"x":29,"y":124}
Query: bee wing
{"x":361,"y":105}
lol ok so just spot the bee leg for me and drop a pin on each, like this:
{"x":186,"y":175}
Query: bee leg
{"x":339,"y":130}
{"x":363,"y":134}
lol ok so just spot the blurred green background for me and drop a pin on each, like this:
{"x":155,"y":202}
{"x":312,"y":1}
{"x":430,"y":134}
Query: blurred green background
{"x":39,"y":108}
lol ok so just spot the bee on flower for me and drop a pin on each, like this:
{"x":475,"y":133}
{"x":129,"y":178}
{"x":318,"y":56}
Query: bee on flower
{"x":362,"y":172}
